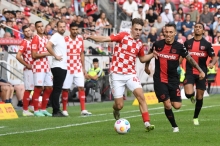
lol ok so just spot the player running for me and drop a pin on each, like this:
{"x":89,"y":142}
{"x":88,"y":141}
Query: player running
{"x":41,"y":70}
{"x":199,"y":49}
{"x":123,"y":71}
{"x":166,"y":80}
{"x":75,"y":68}
{"x":25,"y":58}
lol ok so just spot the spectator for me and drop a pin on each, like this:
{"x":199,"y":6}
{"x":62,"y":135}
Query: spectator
{"x":151,"y":17}
{"x":194,"y":14}
{"x":207,"y":36}
{"x":181,"y":39}
{"x":207,"y":17}
{"x":217,"y":12}
{"x":161,"y":36}
{"x":138,"y":13}
{"x":17,"y":34}
{"x":187,"y":25}
{"x":212,"y":6}
{"x":77,"y":6}
{"x":178,"y":23}
{"x":2,"y":28}
{"x":152,"y":37}
{"x":145,"y":9}
{"x":216,"y":37}
{"x":216,"y":26}
{"x":47,"y":30}
{"x":102,"y":22}
{"x":159,"y":24}
{"x":7,"y":91}
{"x":91,"y":9}
{"x":185,"y":5}
{"x":9,"y":23}
{"x":129,"y":7}
{"x":157,"y":7}
{"x":170,"y":5}
{"x":198,"y":5}
{"x":79,"y":22}
{"x":181,"y":14}
{"x":189,"y":37}
{"x":167,"y":16}
{"x":5,"y":15}
{"x":217,"y":40}
{"x":145,"y":32}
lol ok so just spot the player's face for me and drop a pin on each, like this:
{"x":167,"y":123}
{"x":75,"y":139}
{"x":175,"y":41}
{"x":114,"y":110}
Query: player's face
{"x":27,"y":32}
{"x":74,"y":31}
{"x":198,"y":29}
{"x":136,"y":31}
{"x":169,"y":34}
{"x":40,"y":28}
{"x":61,"y":28}
{"x":95,"y":64}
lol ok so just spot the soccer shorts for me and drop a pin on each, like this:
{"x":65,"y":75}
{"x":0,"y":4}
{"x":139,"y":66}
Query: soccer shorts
{"x":165,"y":91}
{"x":28,"y":79}
{"x":43,"y":79}
{"x":78,"y":79}
{"x":194,"y":79}
{"x":119,"y":81}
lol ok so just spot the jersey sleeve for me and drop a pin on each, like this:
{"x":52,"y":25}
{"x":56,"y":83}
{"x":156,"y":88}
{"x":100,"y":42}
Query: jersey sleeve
{"x":210,"y":50}
{"x":22,"y":46}
{"x":34,"y":44}
{"x":141,"y":52}
{"x":118,"y":37}
{"x":184,"y":52}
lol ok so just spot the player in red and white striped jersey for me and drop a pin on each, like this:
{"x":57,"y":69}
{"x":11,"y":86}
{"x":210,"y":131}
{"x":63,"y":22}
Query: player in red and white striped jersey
{"x":41,"y":70}
{"x":25,"y":58}
{"x":123,"y":71}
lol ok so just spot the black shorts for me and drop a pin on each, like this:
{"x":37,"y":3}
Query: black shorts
{"x":194,"y":79}
{"x":165,"y":91}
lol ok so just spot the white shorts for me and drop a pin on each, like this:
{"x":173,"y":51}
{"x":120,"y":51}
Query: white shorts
{"x":43,"y":79}
{"x":28,"y":79}
{"x":78,"y":79}
{"x":119,"y":81}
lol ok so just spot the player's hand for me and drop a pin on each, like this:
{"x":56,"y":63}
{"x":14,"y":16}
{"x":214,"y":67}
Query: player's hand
{"x":59,"y":58}
{"x":210,"y":65}
{"x":29,"y":66}
{"x":155,"y":54}
{"x":201,"y":75}
{"x":147,"y":70}
{"x":86,"y":36}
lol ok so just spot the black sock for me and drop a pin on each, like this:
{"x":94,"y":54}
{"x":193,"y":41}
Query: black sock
{"x":198,"y":107}
{"x":170,"y":117}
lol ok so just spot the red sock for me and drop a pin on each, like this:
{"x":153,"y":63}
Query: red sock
{"x":65,"y":99}
{"x":26,"y":100}
{"x":146,"y":117}
{"x":82,"y":99}
{"x":45,"y":98}
{"x":35,"y":98}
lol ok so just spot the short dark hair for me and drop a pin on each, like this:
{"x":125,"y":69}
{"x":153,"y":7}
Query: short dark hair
{"x":95,"y":60}
{"x":171,"y":25}
{"x":137,"y":21}
{"x":188,"y":14}
{"x":74,"y":25}
{"x":200,"y":24}
{"x":37,"y":23}
{"x":60,"y":21}
{"x":24,"y":27}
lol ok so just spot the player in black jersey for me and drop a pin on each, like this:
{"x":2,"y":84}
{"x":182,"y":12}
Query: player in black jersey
{"x":200,"y":50}
{"x":166,"y":81}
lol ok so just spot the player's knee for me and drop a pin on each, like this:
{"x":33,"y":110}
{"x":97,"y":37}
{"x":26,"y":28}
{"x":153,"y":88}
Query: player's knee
{"x":190,"y":95}
{"x":119,"y":105}
{"x":167,"y":104}
{"x":177,"y":106}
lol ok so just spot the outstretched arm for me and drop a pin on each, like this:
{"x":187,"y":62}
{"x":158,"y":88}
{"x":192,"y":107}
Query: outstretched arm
{"x":98,"y":38}
{"x":146,"y":58}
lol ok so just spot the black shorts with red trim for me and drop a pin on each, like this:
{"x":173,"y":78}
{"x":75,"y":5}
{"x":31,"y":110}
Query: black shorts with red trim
{"x":194,"y":79}
{"x":165,"y":91}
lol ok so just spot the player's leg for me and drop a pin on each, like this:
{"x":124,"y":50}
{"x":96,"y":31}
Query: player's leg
{"x":5,"y":93}
{"x":200,"y":88}
{"x":19,"y":93}
{"x":189,"y":87}
{"x":11,"y":88}
{"x":65,"y":92}
{"x":79,"y":82}
{"x":38,"y":87}
{"x":135,"y":86}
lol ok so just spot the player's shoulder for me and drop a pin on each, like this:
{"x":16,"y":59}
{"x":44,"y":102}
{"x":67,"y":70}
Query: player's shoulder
{"x":178,"y":45}
{"x":66,"y":38}
{"x":80,"y":37}
{"x":159,"y":43}
{"x":205,"y":42}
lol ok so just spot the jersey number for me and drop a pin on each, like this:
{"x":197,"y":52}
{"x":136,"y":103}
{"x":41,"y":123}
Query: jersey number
{"x":178,"y":92}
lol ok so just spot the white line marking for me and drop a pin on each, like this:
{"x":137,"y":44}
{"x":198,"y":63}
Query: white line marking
{"x":2,"y":127}
{"x":92,"y":122}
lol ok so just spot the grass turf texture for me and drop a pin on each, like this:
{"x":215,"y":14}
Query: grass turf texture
{"x":98,"y":130}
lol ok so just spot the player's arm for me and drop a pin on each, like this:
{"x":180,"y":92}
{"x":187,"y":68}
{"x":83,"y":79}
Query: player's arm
{"x":34,"y":49}
{"x":181,"y":60}
{"x":146,"y":58}
{"x":49,"y":48}
{"x":98,"y":38}
{"x":211,"y":54}
{"x":82,"y":56}
{"x":20,"y":59}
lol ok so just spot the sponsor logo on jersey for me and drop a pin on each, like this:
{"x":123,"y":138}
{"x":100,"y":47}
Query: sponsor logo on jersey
{"x":199,"y":54}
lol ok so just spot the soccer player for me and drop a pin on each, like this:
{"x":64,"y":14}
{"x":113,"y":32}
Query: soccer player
{"x":199,"y":49}
{"x":56,"y":46}
{"x":25,"y":58}
{"x":123,"y":71}
{"x":75,"y":68}
{"x":166,"y":79}
{"x":41,"y":71}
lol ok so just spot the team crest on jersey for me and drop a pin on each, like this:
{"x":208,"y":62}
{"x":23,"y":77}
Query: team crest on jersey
{"x":173,"y":50}
{"x":202,"y":47}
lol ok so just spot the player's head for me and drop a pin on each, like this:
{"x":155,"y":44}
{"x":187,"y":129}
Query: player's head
{"x":199,"y":29}
{"x":39,"y":27}
{"x":136,"y":29}
{"x":27,"y":31}
{"x":170,"y":32}
{"x":74,"y":29}
{"x":95,"y":63}
{"x":61,"y":27}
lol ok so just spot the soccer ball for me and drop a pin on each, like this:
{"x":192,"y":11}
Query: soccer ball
{"x":122,"y":126}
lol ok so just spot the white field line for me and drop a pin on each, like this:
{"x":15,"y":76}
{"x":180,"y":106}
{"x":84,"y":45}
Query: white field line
{"x":92,"y":122}
{"x":2,"y":127}
{"x":132,"y":111}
